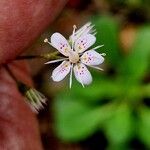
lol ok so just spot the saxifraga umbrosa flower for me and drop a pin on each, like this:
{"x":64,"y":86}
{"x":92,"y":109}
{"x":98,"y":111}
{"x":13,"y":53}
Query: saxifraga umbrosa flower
{"x":77,"y":54}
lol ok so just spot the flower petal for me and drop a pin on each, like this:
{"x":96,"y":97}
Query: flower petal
{"x":61,"y":71}
{"x":85,"y":29}
{"x":84,"y":42}
{"x":82,"y":74}
{"x":92,"y":58}
{"x":60,"y":43}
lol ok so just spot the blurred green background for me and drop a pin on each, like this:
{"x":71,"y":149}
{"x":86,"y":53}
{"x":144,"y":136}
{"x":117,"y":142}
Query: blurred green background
{"x":113,"y":112}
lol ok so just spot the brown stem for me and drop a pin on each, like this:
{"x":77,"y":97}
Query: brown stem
{"x":28,"y":57}
{"x":21,"y":86}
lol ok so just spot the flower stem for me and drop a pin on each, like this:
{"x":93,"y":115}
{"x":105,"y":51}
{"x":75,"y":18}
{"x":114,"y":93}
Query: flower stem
{"x":48,"y":56}
{"x":33,"y":97}
{"x":10,"y":73}
{"x":28,"y":57}
{"x":21,"y":86}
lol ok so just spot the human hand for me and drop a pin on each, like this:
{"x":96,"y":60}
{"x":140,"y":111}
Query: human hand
{"x":21,"y":22}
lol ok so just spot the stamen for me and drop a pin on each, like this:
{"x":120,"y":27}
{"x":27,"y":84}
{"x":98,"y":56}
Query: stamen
{"x":99,"y":46}
{"x":46,"y":41}
{"x":103,"y":54}
{"x":94,"y":33}
{"x":74,"y":29}
{"x":97,"y":68}
{"x":57,"y":60}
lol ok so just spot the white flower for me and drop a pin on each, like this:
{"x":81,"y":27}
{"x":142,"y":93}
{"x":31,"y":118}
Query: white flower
{"x":77,"y":55}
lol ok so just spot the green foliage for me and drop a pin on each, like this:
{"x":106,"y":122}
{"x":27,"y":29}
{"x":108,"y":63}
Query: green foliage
{"x":144,"y":125}
{"x":134,"y":67}
{"x":96,"y":94}
{"x":111,"y":102}
{"x":76,"y":120}
{"x":107,"y":29}
{"x":119,"y":126}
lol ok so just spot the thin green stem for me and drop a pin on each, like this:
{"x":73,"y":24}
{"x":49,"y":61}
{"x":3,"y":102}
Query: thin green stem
{"x":48,"y":56}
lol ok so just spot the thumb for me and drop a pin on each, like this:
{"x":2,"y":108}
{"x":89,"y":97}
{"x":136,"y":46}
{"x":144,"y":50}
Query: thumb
{"x":21,"y":21}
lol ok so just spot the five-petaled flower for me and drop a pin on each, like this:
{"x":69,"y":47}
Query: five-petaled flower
{"x":77,"y":55}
